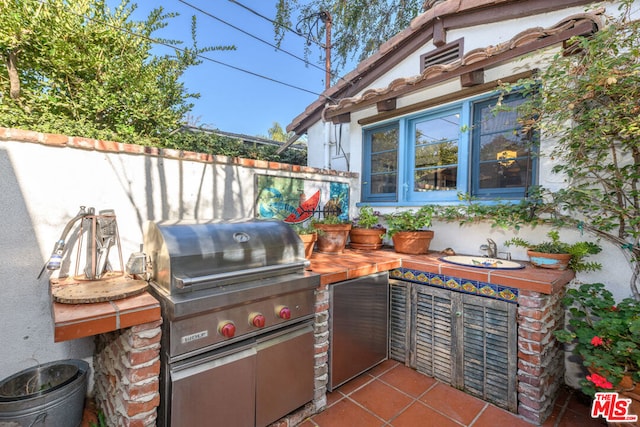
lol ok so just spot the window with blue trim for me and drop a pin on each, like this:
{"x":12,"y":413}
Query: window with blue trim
{"x":468,"y":147}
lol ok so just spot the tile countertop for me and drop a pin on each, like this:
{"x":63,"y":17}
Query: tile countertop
{"x":73,"y":321}
{"x":352,"y":264}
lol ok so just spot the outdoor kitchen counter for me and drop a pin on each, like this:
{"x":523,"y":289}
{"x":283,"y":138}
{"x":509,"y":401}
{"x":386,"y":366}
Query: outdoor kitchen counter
{"x":73,"y":321}
{"x":352,"y":264}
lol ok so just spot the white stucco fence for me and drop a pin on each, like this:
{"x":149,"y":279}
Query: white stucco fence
{"x":43,"y":187}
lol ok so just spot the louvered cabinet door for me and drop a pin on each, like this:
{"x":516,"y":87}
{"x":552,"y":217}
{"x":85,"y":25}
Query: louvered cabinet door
{"x":434,"y":329}
{"x":488,"y":343}
{"x":400,"y":321}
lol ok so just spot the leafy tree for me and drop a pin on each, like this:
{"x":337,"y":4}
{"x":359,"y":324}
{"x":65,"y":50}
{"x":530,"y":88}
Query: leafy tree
{"x":277,"y":133}
{"x":359,"y":27}
{"x":587,"y":103}
{"x":78,"y":68}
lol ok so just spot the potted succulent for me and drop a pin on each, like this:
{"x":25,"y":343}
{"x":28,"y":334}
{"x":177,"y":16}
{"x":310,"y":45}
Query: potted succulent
{"x":308,"y":235}
{"x":406,"y":229}
{"x":366,"y":232}
{"x":607,"y":338}
{"x":332,"y":233}
{"x":559,"y":255}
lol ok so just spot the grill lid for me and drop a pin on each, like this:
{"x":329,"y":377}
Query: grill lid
{"x":190,"y":255}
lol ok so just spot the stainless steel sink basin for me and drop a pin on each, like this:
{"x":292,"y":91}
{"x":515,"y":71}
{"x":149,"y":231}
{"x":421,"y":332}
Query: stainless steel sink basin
{"x":482,"y":262}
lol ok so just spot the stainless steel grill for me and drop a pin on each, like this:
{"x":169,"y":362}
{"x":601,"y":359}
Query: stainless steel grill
{"x":238,"y":308}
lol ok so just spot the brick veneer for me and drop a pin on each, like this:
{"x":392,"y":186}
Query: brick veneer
{"x":127,"y":367}
{"x":540,"y":355}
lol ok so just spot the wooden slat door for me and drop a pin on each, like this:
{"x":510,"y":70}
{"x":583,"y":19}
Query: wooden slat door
{"x":464,"y":340}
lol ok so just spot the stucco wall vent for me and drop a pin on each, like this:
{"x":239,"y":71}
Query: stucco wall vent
{"x":445,"y":55}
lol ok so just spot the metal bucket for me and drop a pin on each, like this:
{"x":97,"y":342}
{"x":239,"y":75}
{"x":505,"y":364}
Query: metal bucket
{"x":51,"y":395}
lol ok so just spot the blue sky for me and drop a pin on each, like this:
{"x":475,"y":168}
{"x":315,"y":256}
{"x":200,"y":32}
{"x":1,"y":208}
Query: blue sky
{"x":231,"y":100}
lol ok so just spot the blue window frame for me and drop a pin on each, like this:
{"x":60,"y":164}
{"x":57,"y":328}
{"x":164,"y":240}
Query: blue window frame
{"x":381,"y":169}
{"x":466,"y":147}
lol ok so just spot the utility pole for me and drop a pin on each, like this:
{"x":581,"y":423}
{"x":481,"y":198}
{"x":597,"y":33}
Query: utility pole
{"x":326,"y":18}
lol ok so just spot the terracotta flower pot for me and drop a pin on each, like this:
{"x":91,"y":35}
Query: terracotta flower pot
{"x":332,"y":238}
{"x":552,"y":261}
{"x":412,"y":242}
{"x":629,"y":390}
{"x":309,"y":241}
{"x":366,"y":238}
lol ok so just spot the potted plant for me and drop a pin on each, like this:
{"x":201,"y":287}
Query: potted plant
{"x":308,"y":235}
{"x":332,"y":233}
{"x":607,"y":338}
{"x":406,"y":229}
{"x":559,"y":255}
{"x":366,"y":232}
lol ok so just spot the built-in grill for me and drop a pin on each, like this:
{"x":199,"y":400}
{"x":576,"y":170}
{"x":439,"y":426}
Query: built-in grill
{"x":238,"y":309}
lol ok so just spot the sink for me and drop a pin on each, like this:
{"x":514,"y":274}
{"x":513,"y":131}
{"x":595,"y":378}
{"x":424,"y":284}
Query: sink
{"x":482,"y":262}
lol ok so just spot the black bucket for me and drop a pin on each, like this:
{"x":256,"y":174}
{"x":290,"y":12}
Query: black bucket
{"x":51,"y":395}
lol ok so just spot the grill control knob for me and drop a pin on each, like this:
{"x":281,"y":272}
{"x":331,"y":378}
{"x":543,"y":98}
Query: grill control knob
{"x":257,"y":320}
{"x":283,"y":312}
{"x":227,"y":329}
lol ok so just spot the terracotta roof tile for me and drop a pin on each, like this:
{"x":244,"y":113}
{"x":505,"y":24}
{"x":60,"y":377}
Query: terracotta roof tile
{"x":419,"y":23}
{"x":471,"y":57}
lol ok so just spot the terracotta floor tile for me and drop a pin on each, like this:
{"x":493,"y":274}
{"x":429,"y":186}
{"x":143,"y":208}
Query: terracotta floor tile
{"x":355,"y":384}
{"x":334,"y":397}
{"x":493,"y":416}
{"x":580,"y":419}
{"x":406,"y":379}
{"x":345,"y":413}
{"x":420,"y":415}
{"x":307,"y":423}
{"x":454,"y":403}
{"x":383,"y":367}
{"x":381,"y":399}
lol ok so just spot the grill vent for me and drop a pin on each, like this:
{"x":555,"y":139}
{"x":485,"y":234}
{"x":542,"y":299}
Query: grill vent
{"x":445,"y":55}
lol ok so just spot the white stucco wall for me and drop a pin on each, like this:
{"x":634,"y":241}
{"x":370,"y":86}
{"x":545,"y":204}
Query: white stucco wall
{"x":43,"y":187}
{"x":616,"y":272}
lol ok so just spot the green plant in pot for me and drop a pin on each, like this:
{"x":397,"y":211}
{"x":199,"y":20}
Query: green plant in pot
{"x":308,"y":234}
{"x":407,"y":230}
{"x":606,"y":336}
{"x":558,"y":255}
{"x":367,"y":232}
{"x":333,"y":233}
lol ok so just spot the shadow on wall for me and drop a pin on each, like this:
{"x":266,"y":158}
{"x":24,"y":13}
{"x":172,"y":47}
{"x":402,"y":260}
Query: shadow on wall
{"x":219,"y":192}
{"x":25,"y":306}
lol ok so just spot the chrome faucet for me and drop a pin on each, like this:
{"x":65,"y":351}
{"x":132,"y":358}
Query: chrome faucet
{"x":491,"y":248}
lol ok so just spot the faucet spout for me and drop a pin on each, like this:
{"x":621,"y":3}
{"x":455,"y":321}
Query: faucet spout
{"x":492,"y":250}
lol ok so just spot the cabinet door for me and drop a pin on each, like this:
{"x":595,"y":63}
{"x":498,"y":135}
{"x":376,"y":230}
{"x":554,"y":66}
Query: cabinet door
{"x":434,"y":329}
{"x":464,"y":340}
{"x":489,"y":352}
{"x":399,"y":321}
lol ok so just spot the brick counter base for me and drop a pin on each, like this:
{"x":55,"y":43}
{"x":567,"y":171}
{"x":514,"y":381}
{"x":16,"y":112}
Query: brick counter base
{"x":127,"y":367}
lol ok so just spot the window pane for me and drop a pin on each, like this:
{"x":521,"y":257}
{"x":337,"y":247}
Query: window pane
{"x":502,"y":152}
{"x":445,"y":153}
{"x":440,"y":129}
{"x":436,"y":153}
{"x":505,"y":174}
{"x":380,"y":172}
{"x":444,"y":178}
{"x":384,"y":162}
{"x":384,"y":183}
{"x":384,"y":140}
{"x":503,"y":144}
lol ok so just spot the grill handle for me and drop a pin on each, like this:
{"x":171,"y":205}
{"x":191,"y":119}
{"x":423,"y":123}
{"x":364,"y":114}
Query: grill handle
{"x":245,"y":274}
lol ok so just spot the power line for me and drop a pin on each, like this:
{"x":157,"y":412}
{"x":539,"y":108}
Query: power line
{"x":206,"y":58}
{"x":249,"y":34}
{"x":296,"y":32}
